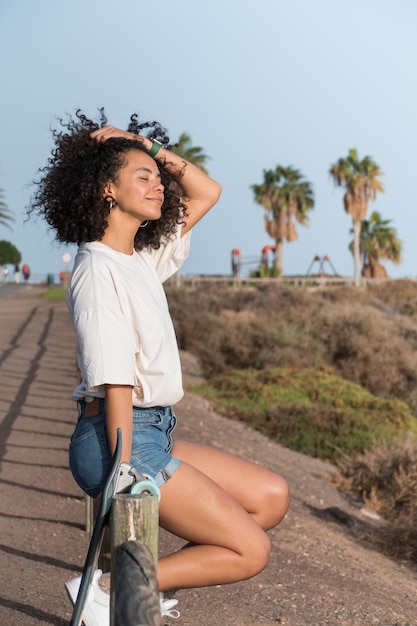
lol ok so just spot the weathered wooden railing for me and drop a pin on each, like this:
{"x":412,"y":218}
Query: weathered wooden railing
{"x":134,"y":525}
{"x":130,"y":553}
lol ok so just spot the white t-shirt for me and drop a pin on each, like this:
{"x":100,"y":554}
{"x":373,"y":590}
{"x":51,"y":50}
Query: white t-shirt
{"x":125,"y":334}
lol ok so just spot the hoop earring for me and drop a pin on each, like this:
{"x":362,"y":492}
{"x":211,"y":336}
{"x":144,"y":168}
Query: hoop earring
{"x":144,"y":224}
{"x":109,"y":201}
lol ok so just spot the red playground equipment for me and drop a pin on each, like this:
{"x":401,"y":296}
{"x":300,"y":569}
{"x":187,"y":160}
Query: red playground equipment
{"x":265,"y":254}
{"x":321,"y":261}
{"x":236,"y":262}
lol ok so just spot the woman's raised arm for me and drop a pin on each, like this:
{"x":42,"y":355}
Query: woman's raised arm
{"x":200,"y":192}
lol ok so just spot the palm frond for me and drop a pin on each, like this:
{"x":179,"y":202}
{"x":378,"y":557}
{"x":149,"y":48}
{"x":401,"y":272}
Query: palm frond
{"x":193,"y":154}
{"x":5,"y":214}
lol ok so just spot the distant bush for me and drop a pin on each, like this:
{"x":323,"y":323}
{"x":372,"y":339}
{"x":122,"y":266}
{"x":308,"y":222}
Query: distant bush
{"x":309,"y":410}
{"x":368,"y":336}
{"x":386,"y":480}
{"x":367,"y":346}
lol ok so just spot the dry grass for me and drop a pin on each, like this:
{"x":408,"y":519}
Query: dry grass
{"x":386,"y":480}
{"x":366,"y":336}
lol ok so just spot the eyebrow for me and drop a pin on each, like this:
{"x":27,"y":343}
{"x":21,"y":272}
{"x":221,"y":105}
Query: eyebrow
{"x":147,"y":169}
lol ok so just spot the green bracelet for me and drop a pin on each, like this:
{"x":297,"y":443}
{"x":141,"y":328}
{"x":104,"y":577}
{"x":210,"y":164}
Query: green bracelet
{"x":156,"y":146}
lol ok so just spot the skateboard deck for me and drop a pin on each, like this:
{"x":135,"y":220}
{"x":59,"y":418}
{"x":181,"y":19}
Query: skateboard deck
{"x":96,"y":541}
{"x":122,"y":478}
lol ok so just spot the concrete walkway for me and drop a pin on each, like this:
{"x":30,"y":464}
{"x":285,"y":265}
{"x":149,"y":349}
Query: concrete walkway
{"x":42,"y":540}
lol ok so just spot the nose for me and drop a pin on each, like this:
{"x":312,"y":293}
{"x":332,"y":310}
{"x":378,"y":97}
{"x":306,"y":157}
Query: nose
{"x":158,"y":185}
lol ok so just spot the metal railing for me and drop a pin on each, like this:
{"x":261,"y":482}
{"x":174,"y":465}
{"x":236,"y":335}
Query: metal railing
{"x":302,"y":281}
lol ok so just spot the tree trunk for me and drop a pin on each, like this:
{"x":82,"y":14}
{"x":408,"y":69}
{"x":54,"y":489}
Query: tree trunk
{"x":279,"y":256}
{"x":377,"y":270}
{"x":356,"y":251}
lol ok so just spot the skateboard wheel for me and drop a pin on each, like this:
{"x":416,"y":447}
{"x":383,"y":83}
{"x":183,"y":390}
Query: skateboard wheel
{"x":146,"y":486}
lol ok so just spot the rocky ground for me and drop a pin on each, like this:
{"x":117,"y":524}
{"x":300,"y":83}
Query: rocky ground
{"x":320,"y":572}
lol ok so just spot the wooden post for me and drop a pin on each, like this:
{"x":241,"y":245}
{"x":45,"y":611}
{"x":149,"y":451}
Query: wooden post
{"x":103,"y":561}
{"x":133,"y":518}
{"x":89,"y":515}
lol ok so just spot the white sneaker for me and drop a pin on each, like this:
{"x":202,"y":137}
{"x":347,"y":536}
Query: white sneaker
{"x":97,"y":607}
{"x":167,"y":607}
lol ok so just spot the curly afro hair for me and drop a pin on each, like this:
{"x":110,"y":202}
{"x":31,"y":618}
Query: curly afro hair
{"x":70,"y":189}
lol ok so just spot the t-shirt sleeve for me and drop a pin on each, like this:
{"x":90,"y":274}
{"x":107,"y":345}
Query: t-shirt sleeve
{"x":170,"y":256}
{"x":105,"y":349}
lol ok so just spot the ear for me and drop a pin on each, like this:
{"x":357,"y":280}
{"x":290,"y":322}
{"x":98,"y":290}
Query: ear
{"x":108,"y":189}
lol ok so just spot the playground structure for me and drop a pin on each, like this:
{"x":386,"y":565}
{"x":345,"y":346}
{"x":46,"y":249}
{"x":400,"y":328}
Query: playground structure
{"x":268,"y":253}
{"x":236,"y":262}
{"x":266,"y":264}
{"x":321,"y":261}
{"x":262,"y":264}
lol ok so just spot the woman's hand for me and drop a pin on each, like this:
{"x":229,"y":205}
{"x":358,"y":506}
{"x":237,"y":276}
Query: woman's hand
{"x":110,"y":131}
{"x":102,"y":134}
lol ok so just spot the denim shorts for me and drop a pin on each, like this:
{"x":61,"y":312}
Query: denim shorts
{"x":89,"y":454}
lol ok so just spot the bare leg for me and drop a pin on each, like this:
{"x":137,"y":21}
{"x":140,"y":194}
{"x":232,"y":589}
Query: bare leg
{"x":259,"y":491}
{"x":229,"y":542}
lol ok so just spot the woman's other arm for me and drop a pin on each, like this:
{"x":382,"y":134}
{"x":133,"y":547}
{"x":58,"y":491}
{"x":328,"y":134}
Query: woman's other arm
{"x":119,"y":415}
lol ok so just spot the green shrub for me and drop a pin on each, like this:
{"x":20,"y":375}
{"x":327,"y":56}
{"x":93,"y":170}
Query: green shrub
{"x":56,"y":293}
{"x":312,"y":411}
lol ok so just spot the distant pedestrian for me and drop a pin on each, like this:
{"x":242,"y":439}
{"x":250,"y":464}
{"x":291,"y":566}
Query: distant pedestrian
{"x":16,"y":273}
{"x":5,"y":274}
{"x":26,"y":272}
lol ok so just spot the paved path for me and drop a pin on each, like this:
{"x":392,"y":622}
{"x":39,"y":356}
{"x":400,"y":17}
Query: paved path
{"x":319,"y":573}
{"x":41,"y":509}
{"x":7,"y":289}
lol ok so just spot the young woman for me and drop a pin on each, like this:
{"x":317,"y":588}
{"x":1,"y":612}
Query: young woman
{"x":130,"y":204}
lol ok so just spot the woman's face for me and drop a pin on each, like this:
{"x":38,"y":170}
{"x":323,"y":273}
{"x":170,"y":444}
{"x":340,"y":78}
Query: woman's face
{"x":138,"y":190}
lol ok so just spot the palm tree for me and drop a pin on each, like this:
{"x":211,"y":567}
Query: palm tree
{"x":361,"y":181}
{"x":5,"y":215}
{"x":378,"y":240}
{"x":287,"y":198}
{"x":193,"y":154}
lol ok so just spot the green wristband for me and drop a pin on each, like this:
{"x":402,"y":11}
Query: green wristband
{"x":156,"y":146}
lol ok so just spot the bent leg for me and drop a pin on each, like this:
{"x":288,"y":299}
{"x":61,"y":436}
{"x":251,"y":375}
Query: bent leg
{"x":259,"y":491}
{"x":228,"y":544}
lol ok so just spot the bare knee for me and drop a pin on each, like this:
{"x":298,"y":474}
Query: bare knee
{"x":256,"y":557}
{"x":274,"y":503}
{"x":281,"y":496}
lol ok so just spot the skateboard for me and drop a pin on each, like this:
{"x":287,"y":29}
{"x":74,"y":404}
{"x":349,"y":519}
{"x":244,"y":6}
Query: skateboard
{"x":121,"y":478}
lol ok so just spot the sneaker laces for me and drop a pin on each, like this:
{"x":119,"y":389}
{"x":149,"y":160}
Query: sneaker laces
{"x":167,"y":607}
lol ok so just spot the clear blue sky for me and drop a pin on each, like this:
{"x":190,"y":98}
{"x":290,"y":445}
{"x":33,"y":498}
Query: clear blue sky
{"x":256,"y":84}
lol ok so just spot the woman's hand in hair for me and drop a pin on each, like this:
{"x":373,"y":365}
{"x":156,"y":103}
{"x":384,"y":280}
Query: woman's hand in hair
{"x":108,"y":132}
